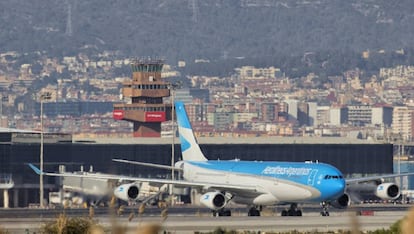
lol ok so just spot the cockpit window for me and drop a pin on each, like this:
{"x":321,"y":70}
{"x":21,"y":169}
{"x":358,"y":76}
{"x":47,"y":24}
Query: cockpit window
{"x":335,"y":177}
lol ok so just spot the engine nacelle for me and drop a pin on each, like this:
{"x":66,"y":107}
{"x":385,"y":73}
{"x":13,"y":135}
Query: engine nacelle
{"x":387,"y":191}
{"x":342,"y":202}
{"x":127,"y":192}
{"x":214,"y":200}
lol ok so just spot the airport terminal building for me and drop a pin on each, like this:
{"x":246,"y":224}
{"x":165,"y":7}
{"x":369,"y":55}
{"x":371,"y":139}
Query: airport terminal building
{"x":352,"y":157}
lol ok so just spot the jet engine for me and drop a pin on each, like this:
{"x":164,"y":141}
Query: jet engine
{"x":127,"y":192}
{"x":214,"y":200}
{"x":342,"y":202}
{"x":387,"y":191}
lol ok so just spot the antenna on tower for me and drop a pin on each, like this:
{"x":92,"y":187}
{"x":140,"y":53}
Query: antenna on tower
{"x":68,"y":31}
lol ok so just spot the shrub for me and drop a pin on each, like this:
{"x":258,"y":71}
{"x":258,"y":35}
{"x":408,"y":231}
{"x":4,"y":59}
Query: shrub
{"x":3,"y":231}
{"x":64,"y":225}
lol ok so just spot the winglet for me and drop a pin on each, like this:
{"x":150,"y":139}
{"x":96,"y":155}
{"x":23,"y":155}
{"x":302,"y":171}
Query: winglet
{"x":35,"y":169}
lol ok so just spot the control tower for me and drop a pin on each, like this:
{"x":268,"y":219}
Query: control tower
{"x":143,"y":98}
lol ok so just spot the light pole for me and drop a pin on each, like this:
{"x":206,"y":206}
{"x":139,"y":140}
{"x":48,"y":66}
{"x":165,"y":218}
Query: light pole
{"x":43,"y":96}
{"x":1,"y":107}
{"x":173,"y":133}
{"x":172,"y":88}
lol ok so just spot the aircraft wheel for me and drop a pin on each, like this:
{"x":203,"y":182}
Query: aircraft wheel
{"x":253,"y":212}
{"x":324,"y":213}
{"x":227,"y":213}
{"x":284,"y":213}
{"x":222,"y":213}
{"x":291,"y":212}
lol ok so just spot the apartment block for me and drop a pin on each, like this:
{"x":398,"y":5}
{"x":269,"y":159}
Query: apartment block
{"x":382,"y":115}
{"x":312,"y":113}
{"x":303,"y":114}
{"x":403,"y":122}
{"x":270,"y":111}
{"x":250,"y":72}
{"x":292,"y":109}
{"x":338,"y":115}
{"x":359,"y":115}
{"x":322,"y":115}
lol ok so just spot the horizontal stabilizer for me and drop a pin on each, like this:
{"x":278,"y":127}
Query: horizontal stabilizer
{"x":35,"y":169}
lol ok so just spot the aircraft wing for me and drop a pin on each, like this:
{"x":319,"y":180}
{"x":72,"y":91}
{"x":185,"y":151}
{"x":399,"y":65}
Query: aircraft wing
{"x":245,"y":190}
{"x":18,"y":130}
{"x":375,"y":178}
{"x":150,"y":180}
{"x":147,"y":164}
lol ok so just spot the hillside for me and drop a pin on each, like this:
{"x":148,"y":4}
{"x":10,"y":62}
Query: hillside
{"x":187,"y":29}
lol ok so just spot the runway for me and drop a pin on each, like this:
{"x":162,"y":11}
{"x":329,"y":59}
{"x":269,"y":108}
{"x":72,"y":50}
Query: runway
{"x":177,"y":223}
{"x":278,"y":223}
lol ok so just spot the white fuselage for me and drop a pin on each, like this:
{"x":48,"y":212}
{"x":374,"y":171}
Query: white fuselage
{"x":269,"y":190}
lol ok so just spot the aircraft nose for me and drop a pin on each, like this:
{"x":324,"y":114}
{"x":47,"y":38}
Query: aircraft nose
{"x":339,"y":186}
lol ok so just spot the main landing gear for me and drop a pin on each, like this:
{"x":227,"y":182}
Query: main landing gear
{"x":221,"y":212}
{"x":292,"y":211}
{"x":253,"y":211}
{"x":325,"y":207}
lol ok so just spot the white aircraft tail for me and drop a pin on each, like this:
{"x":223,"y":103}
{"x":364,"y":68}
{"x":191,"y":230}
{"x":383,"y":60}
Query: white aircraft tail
{"x":189,"y":147}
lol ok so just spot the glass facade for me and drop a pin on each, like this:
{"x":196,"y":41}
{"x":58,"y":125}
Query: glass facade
{"x":349,"y":158}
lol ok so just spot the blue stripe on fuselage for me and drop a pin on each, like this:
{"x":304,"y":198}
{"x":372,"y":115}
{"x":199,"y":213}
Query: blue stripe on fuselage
{"x":297,"y":172}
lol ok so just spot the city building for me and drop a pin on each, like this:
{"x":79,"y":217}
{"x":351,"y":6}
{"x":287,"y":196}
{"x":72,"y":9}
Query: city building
{"x":403,"y":123}
{"x":382,"y":115}
{"x":322,"y":115}
{"x":250,"y":72}
{"x":270,"y":111}
{"x":312,"y":106}
{"x":359,"y":115}
{"x":293,"y":109}
{"x":338,"y":115}
{"x":303,"y":114}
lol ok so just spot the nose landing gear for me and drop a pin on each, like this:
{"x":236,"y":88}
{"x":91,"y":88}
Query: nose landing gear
{"x":325,"y":207}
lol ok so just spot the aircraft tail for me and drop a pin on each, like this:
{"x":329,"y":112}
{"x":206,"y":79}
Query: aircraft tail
{"x":189,"y":147}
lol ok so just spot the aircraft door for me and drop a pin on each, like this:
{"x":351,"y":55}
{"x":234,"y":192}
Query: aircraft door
{"x":311,"y":177}
{"x":189,"y":173}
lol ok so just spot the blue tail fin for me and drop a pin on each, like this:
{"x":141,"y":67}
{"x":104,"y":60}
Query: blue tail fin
{"x":189,"y":147}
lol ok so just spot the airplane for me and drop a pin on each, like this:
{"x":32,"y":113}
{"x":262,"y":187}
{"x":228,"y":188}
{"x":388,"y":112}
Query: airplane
{"x":255,"y":183}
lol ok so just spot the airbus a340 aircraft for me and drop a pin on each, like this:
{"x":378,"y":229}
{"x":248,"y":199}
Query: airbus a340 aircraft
{"x":255,"y":183}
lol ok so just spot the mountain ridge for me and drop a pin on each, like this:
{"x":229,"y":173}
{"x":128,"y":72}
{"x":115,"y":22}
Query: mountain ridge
{"x":181,"y":30}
